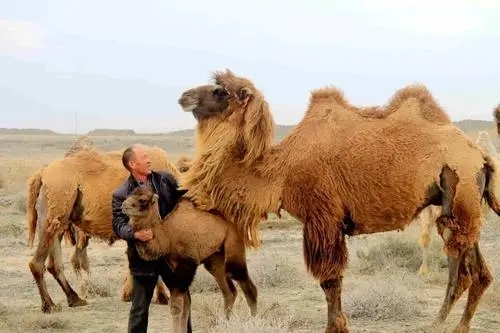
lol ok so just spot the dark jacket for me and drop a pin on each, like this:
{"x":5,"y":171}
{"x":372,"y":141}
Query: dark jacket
{"x":163,"y":184}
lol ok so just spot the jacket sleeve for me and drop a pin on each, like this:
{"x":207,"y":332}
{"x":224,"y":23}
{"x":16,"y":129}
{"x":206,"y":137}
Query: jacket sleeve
{"x":120,"y":220}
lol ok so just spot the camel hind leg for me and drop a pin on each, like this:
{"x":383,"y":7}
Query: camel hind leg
{"x":467,"y":268}
{"x":427,"y":220}
{"x":79,"y":259}
{"x":55,"y":267}
{"x":236,"y":268}
{"x":215,"y":265}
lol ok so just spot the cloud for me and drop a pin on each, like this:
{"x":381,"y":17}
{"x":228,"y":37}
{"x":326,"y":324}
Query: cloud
{"x":17,"y":36}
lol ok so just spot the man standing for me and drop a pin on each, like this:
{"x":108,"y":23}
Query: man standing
{"x":144,"y":273}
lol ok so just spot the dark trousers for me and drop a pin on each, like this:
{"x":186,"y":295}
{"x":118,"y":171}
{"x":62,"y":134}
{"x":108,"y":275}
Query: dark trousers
{"x":143,"y":287}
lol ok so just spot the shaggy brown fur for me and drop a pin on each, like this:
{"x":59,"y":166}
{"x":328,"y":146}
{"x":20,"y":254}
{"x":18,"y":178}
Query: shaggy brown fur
{"x":340,"y":172}
{"x":194,"y":235}
{"x":76,"y":190}
{"x":183,"y":164}
{"x":496,"y":117}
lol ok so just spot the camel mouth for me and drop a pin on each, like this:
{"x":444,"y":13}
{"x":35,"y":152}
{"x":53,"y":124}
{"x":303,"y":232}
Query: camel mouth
{"x":188,"y":101}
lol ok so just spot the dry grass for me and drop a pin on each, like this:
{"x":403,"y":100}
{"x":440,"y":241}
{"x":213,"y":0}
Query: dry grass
{"x":382,"y":292}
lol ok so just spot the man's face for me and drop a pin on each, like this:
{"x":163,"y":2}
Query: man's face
{"x":140,"y":163}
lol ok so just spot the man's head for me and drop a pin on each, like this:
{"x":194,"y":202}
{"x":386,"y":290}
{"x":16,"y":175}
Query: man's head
{"x":136,"y":160}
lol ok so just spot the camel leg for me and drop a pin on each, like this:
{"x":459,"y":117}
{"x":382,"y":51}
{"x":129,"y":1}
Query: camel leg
{"x":161,"y":292}
{"x":178,"y":281}
{"x":37,"y":268}
{"x":80,"y":261}
{"x":236,"y":268}
{"x":55,"y":267}
{"x":127,"y":288}
{"x":325,"y":254}
{"x":481,"y":279}
{"x":427,"y":219}
{"x":215,"y":265}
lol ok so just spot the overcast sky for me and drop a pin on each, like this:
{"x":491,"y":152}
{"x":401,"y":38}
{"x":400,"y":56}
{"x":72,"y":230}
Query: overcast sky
{"x":123,"y":64}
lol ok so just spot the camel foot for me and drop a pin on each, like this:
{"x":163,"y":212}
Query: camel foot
{"x":461,"y":329}
{"x":339,"y":326}
{"x":161,"y":299}
{"x":424,"y":270}
{"x":126,"y":296}
{"x":51,"y":307}
{"x":77,"y":302}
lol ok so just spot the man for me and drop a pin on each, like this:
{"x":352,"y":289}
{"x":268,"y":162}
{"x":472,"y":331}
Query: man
{"x":144,"y":273}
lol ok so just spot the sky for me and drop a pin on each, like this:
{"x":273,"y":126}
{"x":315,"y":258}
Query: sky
{"x":70,"y":65}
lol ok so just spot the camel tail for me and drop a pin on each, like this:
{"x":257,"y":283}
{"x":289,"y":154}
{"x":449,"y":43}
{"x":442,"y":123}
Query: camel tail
{"x":34,"y":185}
{"x":492,"y":185}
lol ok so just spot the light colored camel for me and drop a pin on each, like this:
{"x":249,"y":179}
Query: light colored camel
{"x":496,"y":117}
{"x":340,"y":173}
{"x":74,"y":235}
{"x":189,"y":237}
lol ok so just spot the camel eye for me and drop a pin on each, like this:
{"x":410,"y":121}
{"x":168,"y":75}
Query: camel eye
{"x":220,"y":92}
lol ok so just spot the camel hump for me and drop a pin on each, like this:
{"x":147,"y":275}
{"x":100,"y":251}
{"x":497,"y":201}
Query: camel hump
{"x":413,"y":102}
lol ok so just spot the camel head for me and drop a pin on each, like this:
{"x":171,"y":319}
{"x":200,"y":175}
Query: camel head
{"x":496,"y":116}
{"x":232,"y":115}
{"x":141,"y":206}
{"x":183,"y":164}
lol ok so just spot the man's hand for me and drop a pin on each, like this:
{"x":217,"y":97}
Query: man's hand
{"x":144,"y":235}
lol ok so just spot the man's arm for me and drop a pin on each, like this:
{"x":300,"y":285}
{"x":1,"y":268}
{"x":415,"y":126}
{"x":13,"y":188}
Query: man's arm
{"x":120,"y":220}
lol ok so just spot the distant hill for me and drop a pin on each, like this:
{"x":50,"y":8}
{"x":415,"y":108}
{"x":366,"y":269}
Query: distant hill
{"x":111,"y":132}
{"x":470,"y":126}
{"x":27,"y":131}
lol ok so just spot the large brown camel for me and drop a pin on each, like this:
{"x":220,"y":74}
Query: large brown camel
{"x":496,"y":117}
{"x":76,"y":192}
{"x":190,"y":237}
{"x":341,"y":173}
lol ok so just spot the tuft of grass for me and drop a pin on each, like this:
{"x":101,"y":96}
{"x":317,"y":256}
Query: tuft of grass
{"x":271,"y":318}
{"x":98,"y":288}
{"x":383,"y":297}
{"x":42,"y":322}
{"x":20,"y":203}
{"x":399,"y":252}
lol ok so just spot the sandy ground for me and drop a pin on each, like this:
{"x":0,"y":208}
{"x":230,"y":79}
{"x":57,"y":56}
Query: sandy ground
{"x":382,"y":292}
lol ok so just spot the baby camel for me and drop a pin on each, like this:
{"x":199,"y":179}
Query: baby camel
{"x":190,"y":237}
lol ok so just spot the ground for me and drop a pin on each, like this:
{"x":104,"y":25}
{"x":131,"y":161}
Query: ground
{"x":382,"y":292}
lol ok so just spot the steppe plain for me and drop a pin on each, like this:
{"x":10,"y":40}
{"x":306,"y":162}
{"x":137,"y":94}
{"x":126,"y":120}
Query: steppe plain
{"x":382,"y":291}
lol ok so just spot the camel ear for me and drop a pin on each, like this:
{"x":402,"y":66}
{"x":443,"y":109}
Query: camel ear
{"x":154,"y":199}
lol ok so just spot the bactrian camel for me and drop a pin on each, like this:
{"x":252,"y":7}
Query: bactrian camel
{"x":341,"y":173}
{"x":496,"y":117}
{"x":190,"y":237}
{"x":76,"y":190}
{"x":97,"y":213}
{"x":428,"y":216}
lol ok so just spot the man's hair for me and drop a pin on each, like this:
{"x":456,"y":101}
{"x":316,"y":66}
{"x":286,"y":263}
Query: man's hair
{"x":128,"y":154}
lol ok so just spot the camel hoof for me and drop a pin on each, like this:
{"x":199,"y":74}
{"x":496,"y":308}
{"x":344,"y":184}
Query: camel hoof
{"x":161,"y":299}
{"x":126,"y":297}
{"x":423,"y":271}
{"x":51,"y":308}
{"x":78,"y":302}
